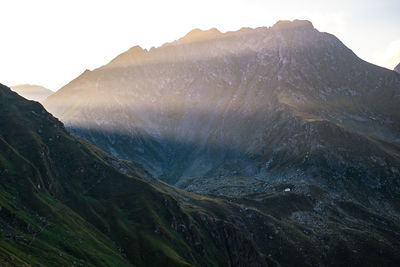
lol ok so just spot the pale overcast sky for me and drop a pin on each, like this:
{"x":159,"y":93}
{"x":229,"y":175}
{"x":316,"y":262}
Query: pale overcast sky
{"x":50,"y":42}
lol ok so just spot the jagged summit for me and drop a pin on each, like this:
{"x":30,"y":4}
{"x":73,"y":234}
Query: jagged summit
{"x":200,"y":35}
{"x":133,"y":54}
{"x":136,"y":49}
{"x":293,"y":25}
{"x":197,"y":32}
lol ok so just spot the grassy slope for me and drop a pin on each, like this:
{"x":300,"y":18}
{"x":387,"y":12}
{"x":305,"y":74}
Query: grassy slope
{"x":63,"y":202}
{"x":87,"y":212}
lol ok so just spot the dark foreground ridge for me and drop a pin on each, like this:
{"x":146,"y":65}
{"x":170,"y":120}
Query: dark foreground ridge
{"x":65,"y":202}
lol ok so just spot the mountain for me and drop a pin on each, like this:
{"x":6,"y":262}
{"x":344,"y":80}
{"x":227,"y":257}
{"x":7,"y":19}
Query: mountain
{"x":397,"y":68}
{"x":65,"y":202}
{"x":239,"y":112}
{"x":32,"y":92}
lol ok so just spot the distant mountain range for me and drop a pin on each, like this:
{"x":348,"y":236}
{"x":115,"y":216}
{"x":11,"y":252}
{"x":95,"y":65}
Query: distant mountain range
{"x":32,"y":92}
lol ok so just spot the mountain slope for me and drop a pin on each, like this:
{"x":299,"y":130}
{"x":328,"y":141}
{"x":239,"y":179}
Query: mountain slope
{"x":241,"y":112}
{"x":63,"y":201}
{"x":32,"y":92}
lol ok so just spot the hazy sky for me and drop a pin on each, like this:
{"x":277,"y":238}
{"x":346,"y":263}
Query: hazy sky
{"x":50,"y":42}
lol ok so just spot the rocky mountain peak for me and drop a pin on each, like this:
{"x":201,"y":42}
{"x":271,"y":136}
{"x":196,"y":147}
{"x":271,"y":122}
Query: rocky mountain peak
{"x":134,"y":54}
{"x":293,"y":25}
{"x":200,"y":35}
{"x":136,"y":49}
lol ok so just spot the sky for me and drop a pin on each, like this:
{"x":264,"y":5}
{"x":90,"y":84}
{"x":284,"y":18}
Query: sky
{"x":51,"y":42}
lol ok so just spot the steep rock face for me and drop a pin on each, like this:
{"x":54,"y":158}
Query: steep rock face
{"x":285,"y":104}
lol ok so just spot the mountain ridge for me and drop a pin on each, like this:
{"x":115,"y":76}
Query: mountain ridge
{"x":233,"y":106}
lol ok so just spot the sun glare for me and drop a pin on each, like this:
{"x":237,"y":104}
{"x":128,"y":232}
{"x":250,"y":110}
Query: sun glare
{"x":51,"y":42}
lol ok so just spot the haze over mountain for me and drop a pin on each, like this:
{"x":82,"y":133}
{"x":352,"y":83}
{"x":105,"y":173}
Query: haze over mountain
{"x":65,"y":202}
{"x":32,"y":92}
{"x":238,"y":112}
